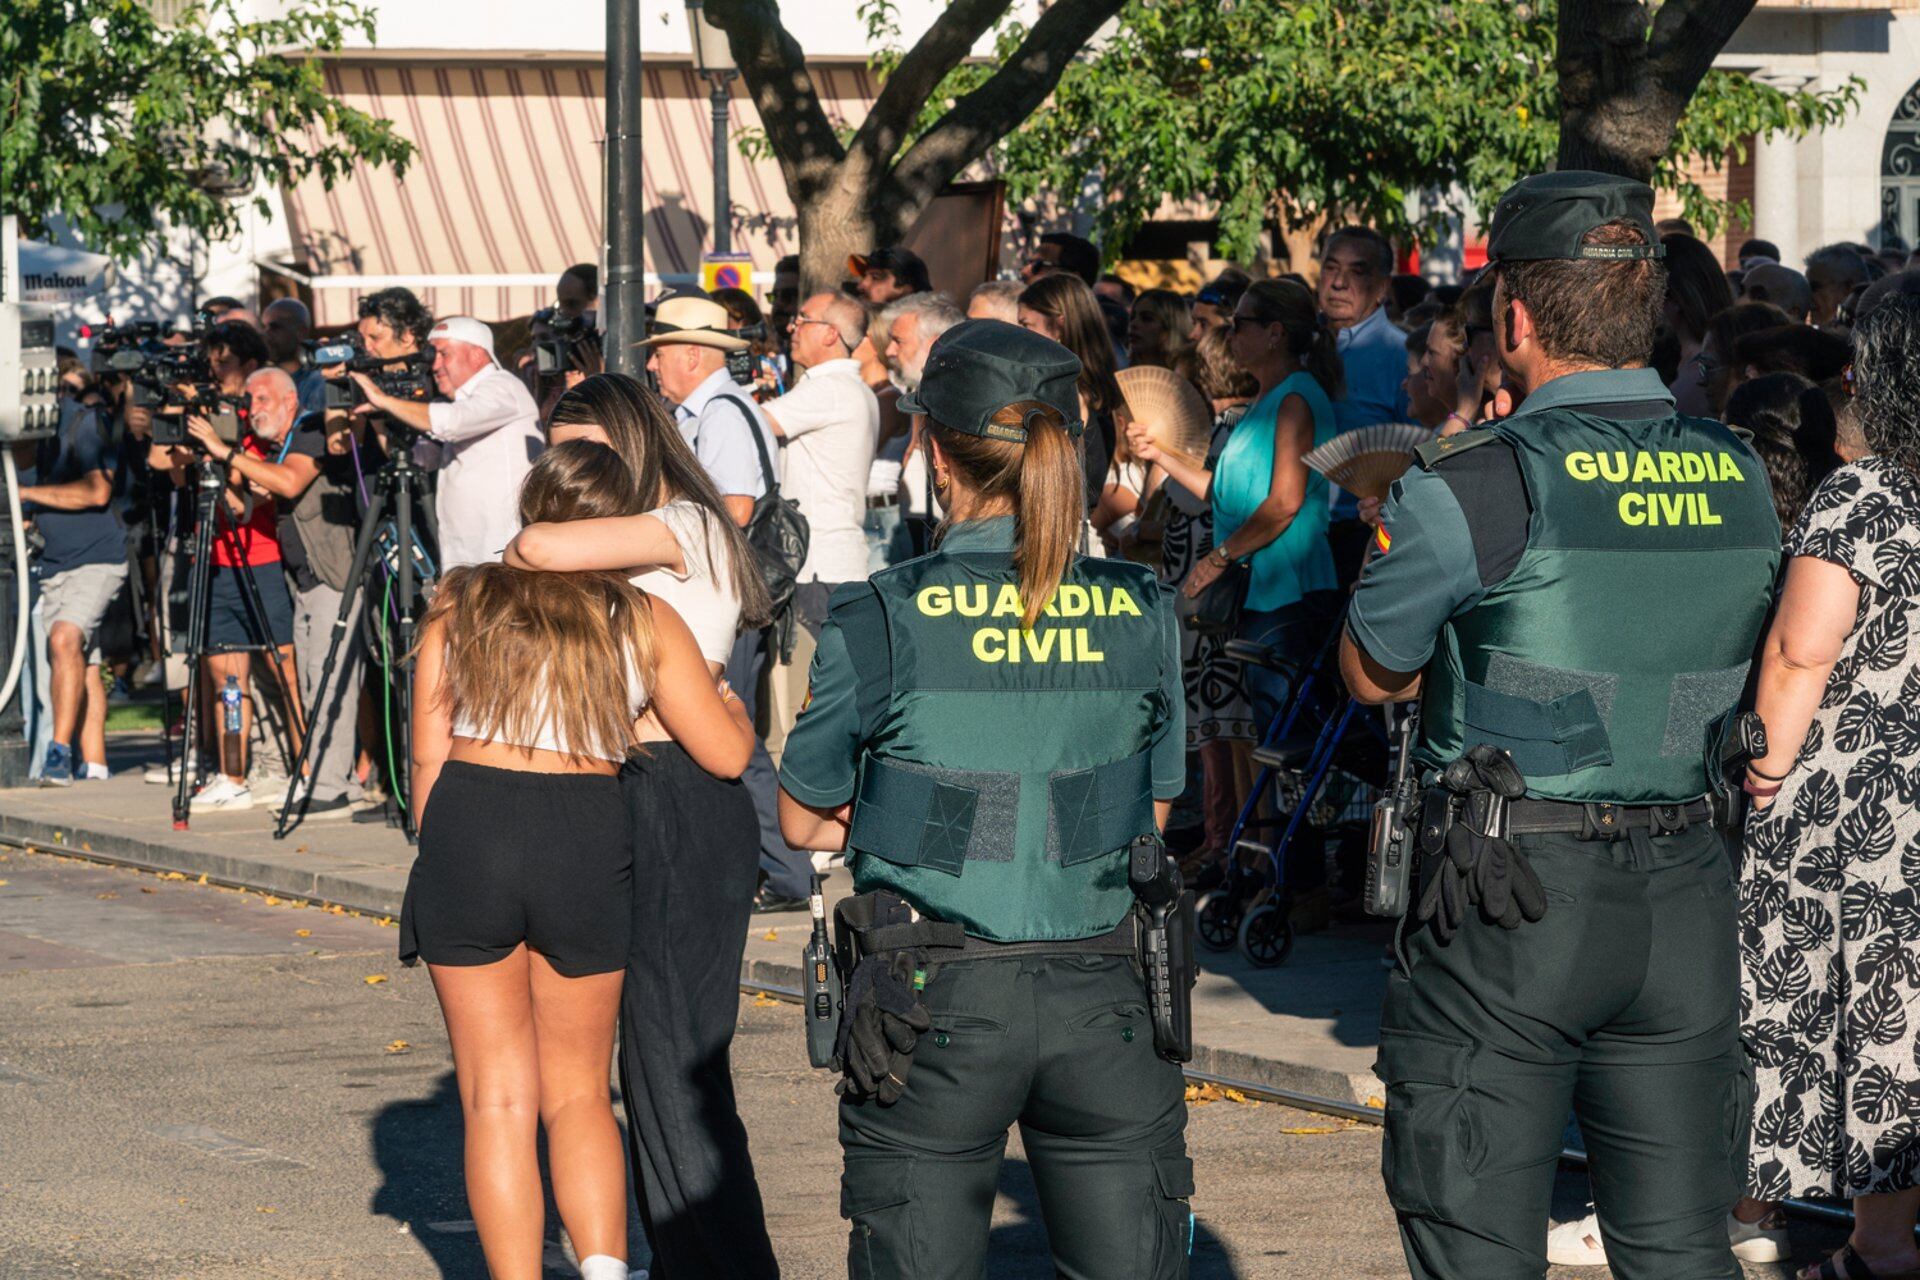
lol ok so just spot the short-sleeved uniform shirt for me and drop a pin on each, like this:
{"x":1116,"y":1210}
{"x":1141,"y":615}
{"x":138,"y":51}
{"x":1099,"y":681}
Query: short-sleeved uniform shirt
{"x":74,"y":538}
{"x":1450,"y":535}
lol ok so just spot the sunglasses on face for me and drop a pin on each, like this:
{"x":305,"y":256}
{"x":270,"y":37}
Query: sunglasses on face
{"x":1236,"y":323}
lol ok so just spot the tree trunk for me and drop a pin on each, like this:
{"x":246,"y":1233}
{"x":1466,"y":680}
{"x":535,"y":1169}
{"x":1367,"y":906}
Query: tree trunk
{"x":833,"y":226}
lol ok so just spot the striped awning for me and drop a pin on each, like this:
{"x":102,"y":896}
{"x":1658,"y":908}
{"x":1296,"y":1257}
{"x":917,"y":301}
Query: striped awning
{"x":506,"y":188}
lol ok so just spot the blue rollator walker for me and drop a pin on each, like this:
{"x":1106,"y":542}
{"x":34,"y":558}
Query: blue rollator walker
{"x":1249,"y":902}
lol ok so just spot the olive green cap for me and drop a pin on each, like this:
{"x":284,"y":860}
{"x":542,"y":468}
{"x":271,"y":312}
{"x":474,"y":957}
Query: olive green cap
{"x":979,"y":367}
{"x":1545,"y":216}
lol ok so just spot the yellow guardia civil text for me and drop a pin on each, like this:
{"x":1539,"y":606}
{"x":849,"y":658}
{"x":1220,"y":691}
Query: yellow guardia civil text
{"x":1665,"y":504}
{"x":995,"y":641}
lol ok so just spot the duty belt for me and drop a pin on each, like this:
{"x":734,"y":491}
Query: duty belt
{"x":1596,"y":821}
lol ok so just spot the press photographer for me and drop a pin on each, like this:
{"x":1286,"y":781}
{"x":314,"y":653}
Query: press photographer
{"x":482,"y":439}
{"x":246,"y":600}
{"x":310,"y":471}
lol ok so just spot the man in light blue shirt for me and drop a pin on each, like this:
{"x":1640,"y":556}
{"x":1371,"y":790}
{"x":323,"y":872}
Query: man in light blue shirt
{"x":1356,"y":274}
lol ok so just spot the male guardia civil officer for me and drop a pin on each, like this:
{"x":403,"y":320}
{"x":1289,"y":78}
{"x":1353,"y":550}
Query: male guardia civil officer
{"x":1574,"y":592}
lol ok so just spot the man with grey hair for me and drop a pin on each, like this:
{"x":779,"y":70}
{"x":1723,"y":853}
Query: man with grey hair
{"x":828,"y":426}
{"x":309,"y":471}
{"x":995,"y":300}
{"x":909,"y":329}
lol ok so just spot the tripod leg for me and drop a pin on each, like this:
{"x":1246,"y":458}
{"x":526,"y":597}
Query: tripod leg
{"x":356,"y":580}
{"x":403,"y":519}
{"x":199,"y":606}
{"x":260,"y":627}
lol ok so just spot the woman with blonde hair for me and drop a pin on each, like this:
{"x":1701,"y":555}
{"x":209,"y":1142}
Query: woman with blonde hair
{"x":1157,"y":332}
{"x":527,"y":686}
{"x":1063,"y":308}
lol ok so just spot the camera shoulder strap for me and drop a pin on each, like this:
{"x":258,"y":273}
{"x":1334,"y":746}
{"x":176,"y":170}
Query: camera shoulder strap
{"x":759,"y":442}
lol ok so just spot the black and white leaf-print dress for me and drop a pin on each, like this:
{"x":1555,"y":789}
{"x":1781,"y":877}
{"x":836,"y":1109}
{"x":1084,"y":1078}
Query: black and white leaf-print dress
{"x":1217,"y":706}
{"x":1830,"y":921}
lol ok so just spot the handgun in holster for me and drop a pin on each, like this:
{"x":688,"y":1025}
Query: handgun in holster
{"x":1166,"y":945}
{"x":1390,"y":846}
{"x":823,"y":983}
{"x":1739,"y":739}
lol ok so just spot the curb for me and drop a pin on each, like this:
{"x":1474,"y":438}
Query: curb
{"x":241,"y":872}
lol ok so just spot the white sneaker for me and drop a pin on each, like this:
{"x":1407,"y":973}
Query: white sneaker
{"x":1762,"y":1241}
{"x":95,"y":773}
{"x":224,"y":795}
{"x":1577,"y":1244}
{"x":164,"y":773}
{"x":270,"y":789}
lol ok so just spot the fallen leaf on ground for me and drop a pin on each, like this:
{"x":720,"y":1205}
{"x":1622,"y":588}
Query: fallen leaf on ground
{"x":2,"y":882}
{"x":761,"y":1000}
{"x":263,"y":1208}
{"x":375,"y":979}
{"x":303,"y":933}
{"x":86,"y":846}
{"x":398,"y":1046}
{"x":203,"y":877}
{"x":272,"y":901}
{"x":148,"y":889}
{"x":771,"y":935}
{"x":300,"y":848}
{"x":173,"y":875}
{"x":107,"y":895}
{"x":1201,"y":1094}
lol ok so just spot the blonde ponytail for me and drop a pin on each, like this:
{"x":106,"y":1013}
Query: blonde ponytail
{"x":1042,"y":480}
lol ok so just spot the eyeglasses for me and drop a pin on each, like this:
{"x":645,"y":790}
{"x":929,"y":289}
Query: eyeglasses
{"x":797,"y":321}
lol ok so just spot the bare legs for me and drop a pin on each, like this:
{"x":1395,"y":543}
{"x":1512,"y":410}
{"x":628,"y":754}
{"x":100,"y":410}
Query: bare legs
{"x":533,"y":1047}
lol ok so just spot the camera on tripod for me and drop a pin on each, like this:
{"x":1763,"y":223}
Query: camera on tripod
{"x":408,"y":377}
{"x":173,"y":379}
{"x":555,"y":336}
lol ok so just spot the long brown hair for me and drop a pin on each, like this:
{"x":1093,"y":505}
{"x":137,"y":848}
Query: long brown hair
{"x":1066,"y":300}
{"x":1309,"y":339}
{"x":664,"y":468}
{"x":1042,"y":480}
{"x":523,"y":646}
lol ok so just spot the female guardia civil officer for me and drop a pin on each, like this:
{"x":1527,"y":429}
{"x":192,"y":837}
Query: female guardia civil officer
{"x":989,"y":728}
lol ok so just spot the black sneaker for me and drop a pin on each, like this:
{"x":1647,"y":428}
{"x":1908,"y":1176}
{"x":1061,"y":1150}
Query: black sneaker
{"x":769,"y":900}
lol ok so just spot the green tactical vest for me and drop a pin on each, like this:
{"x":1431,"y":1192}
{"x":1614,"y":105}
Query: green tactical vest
{"x":1005,"y":773}
{"x":1626,"y":629}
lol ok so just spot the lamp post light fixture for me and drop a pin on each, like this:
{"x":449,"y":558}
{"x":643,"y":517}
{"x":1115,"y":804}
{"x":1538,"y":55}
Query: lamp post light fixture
{"x":713,"y":59}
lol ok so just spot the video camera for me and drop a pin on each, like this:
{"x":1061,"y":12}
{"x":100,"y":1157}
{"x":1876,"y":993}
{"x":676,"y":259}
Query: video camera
{"x":163,"y":376}
{"x":408,"y":377}
{"x":553,"y":348}
{"x":740,"y":364}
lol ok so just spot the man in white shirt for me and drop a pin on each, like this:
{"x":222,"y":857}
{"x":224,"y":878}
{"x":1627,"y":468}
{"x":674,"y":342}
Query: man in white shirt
{"x":829,"y":424}
{"x":687,"y":342}
{"x":482,"y":439}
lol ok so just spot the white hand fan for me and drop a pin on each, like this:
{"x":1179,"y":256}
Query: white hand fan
{"x":1366,"y":461}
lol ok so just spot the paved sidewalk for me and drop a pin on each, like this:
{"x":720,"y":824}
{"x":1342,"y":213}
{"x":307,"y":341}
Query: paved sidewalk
{"x":1311,"y":1025}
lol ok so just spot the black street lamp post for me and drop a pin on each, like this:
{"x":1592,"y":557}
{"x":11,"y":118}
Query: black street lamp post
{"x":713,"y":59}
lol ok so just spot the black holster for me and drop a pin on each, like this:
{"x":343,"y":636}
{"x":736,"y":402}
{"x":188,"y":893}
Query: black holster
{"x":1166,"y":912}
{"x":882,"y":954}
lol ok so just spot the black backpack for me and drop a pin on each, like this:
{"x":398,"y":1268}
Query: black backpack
{"x":776,"y":530}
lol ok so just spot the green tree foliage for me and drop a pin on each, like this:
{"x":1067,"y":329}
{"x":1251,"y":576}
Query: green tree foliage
{"x":1395,"y":112}
{"x":122,"y":124}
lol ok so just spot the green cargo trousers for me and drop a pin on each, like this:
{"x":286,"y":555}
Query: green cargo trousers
{"x":1063,"y":1046}
{"x":1621,"y":1004}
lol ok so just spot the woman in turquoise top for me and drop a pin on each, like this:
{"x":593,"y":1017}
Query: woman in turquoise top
{"x":1269,"y":508}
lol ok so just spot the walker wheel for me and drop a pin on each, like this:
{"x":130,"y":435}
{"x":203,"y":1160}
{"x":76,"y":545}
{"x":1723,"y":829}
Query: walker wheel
{"x":1266,"y":935}
{"x":1218,"y":921}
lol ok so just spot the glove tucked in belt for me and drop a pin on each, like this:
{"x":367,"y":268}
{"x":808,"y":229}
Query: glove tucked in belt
{"x":1465,"y":820}
{"x":883,"y":1021}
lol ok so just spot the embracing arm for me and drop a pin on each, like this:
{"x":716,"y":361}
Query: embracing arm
{"x":432,"y":722}
{"x":711,"y":728}
{"x":1810,"y":629}
{"x":616,"y":543}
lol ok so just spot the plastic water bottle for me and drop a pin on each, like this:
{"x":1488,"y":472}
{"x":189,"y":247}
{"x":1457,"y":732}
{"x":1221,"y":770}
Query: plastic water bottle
{"x":230,"y":705}
{"x":230,"y":723}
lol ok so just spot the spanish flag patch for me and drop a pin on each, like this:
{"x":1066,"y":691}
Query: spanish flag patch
{"x":1382,"y":539}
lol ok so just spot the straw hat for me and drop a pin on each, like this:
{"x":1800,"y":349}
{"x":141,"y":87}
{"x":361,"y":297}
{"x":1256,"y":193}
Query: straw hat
{"x":692,"y":319}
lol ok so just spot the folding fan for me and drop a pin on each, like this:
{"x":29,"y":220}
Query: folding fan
{"x":1175,"y":412}
{"x":1366,"y":461}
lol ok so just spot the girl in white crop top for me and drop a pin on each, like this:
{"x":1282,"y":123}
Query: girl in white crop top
{"x":682,"y":543}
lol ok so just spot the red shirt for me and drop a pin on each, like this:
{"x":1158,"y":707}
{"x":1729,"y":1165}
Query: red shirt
{"x":255,"y":542}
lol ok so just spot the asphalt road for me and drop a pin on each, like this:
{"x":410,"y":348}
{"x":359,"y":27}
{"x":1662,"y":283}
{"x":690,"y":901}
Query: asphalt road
{"x":201,"y":1083}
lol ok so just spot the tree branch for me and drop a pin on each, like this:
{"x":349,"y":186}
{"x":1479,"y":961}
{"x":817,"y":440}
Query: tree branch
{"x":1687,"y":34}
{"x":950,"y":39}
{"x":994,"y":109}
{"x":775,"y":69}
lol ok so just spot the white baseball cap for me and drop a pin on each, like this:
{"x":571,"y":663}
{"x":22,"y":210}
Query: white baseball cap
{"x":464,"y":329}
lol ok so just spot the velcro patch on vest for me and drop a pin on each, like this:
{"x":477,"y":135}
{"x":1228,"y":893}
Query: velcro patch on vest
{"x":1698,"y":701}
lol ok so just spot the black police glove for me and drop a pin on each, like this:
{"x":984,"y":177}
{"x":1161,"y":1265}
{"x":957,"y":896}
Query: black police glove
{"x":1491,"y":874}
{"x":883,"y":1022}
{"x":1443,"y":904}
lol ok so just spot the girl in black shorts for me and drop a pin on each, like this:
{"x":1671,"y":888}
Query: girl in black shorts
{"x":527,"y":686}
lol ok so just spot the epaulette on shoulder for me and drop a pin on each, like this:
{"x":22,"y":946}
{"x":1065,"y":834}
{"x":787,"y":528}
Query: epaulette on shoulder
{"x":1439,"y":450}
